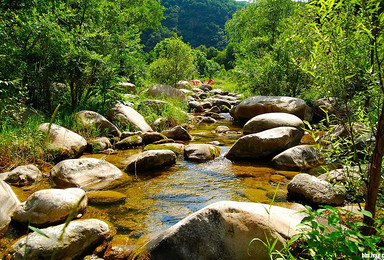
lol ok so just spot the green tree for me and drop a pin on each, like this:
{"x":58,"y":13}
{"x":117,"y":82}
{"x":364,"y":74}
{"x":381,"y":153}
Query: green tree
{"x":174,"y":61}
{"x":79,"y":43}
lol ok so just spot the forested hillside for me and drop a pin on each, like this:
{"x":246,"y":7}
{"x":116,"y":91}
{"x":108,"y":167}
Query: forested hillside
{"x":199,"y":22}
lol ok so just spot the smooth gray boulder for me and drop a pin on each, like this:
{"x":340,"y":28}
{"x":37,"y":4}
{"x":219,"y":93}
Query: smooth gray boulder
{"x":177,"y":133}
{"x":308,"y":188}
{"x":79,"y":237}
{"x":126,"y":115}
{"x":90,"y":119}
{"x":300,"y":157}
{"x":63,"y":142}
{"x":51,"y":206}
{"x":223,"y":230}
{"x":201,"y":152}
{"x":258,"y":105}
{"x":265,"y":143}
{"x":8,"y":204}
{"x":167,"y":92}
{"x":151,"y":160}
{"x":22,"y":175}
{"x":271,"y":120}
{"x":88,"y":174}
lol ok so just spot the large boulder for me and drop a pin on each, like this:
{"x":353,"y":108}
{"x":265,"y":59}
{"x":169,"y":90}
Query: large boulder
{"x":8,"y":204}
{"x":300,"y":157}
{"x":265,"y":143}
{"x":78,"y":237}
{"x":271,"y":120}
{"x":258,"y":105}
{"x":151,"y":160}
{"x":63,"y":142}
{"x":224,"y":230}
{"x":177,"y":133}
{"x":126,"y":115}
{"x":167,"y":92}
{"x":308,"y":188}
{"x":201,"y":152}
{"x":90,"y":119}
{"x":88,"y":174}
{"x":51,"y":206}
{"x":22,"y":175}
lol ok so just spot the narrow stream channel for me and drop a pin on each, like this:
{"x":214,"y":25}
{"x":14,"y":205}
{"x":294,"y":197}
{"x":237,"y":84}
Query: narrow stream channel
{"x":158,"y":200}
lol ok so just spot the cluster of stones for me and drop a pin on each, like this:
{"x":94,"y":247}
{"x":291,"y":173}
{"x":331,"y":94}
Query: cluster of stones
{"x":273,"y":129}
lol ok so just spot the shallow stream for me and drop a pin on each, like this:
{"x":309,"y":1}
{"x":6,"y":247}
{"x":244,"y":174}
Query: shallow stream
{"x":158,"y":200}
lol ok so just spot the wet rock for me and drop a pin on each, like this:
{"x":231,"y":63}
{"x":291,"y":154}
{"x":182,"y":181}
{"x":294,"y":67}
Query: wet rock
{"x":121,"y":247}
{"x":51,"y":206}
{"x":300,"y":157}
{"x":208,"y":120}
{"x":201,"y":152}
{"x":63,"y":142}
{"x":129,"y":142}
{"x":310,"y":189}
{"x":79,"y":236}
{"x":100,"y":144}
{"x":221,"y":102}
{"x":151,"y":137}
{"x":271,"y":120}
{"x":206,"y":104}
{"x":88,"y":174}
{"x":214,"y":109}
{"x":150,"y":160}
{"x":177,"y":148}
{"x":22,"y":175}
{"x":222,"y":129}
{"x":219,"y":91}
{"x":177,"y":133}
{"x":195,"y":106}
{"x":89,"y":119}
{"x":264,"y":143}
{"x":126,"y":115}
{"x":223,"y":230}
{"x":8,"y":204}
{"x":258,"y":105}
{"x":126,"y":134}
{"x":166,"y":91}
{"x":105,"y":197}
{"x":217,"y":116}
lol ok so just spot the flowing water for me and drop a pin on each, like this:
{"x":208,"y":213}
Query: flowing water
{"x":158,"y":200}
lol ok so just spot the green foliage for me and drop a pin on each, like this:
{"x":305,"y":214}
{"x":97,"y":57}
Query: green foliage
{"x":340,"y":237}
{"x":174,"y":61}
{"x":205,"y":67}
{"x":83,"y":44}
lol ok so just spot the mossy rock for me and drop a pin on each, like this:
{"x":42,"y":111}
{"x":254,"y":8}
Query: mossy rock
{"x":105,"y":197}
{"x":164,"y":141}
{"x":129,"y":142}
{"x":177,"y":148}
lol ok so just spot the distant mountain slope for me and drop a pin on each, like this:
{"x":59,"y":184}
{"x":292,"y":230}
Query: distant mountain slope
{"x":200,"y":22}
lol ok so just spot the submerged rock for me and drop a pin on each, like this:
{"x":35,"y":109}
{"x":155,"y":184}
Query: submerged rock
{"x":310,"y":189}
{"x":22,"y":175}
{"x":63,"y":142}
{"x":151,"y":160}
{"x":201,"y":152}
{"x":223,"y":230}
{"x":88,"y":174}
{"x":79,"y":236}
{"x":51,"y":206}
{"x":105,"y":196}
{"x":265,"y":143}
{"x":8,"y":204}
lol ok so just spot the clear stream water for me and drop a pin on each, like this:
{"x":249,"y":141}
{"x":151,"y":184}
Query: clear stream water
{"x":158,"y":200}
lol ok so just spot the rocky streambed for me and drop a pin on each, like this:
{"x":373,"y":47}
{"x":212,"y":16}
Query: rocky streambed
{"x":134,"y":195}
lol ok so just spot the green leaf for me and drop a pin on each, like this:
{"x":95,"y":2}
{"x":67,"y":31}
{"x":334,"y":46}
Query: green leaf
{"x":365,"y":213}
{"x":38,"y":231}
